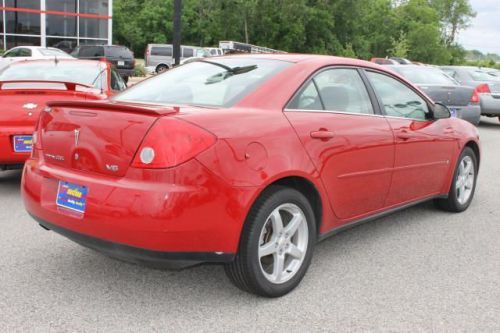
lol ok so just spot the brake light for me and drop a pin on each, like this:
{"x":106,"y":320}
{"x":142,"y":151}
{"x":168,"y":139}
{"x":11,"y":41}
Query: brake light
{"x":171,"y":142}
{"x":480,"y":89}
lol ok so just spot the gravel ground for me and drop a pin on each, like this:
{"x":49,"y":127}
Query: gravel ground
{"x":420,"y":270}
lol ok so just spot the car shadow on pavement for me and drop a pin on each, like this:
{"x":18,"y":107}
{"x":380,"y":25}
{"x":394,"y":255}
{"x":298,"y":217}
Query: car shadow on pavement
{"x":86,"y":271}
{"x":489,"y":123}
{"x":10,"y":179}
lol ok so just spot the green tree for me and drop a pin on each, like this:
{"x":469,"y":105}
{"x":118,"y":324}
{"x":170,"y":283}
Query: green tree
{"x":400,"y":47}
{"x":455,"y":15}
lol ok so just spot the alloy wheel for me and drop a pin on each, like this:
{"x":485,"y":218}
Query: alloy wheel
{"x":464,"y":183}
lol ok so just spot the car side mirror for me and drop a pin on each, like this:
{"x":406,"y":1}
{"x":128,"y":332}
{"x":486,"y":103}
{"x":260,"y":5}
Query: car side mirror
{"x":441,"y":111}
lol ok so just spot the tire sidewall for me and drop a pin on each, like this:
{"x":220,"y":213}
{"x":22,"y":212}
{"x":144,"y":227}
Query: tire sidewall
{"x":453,"y":192}
{"x":281,"y":196}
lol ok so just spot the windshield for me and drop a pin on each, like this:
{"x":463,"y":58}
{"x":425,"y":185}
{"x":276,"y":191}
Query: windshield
{"x":87,"y":73}
{"x":218,"y":83}
{"x":425,"y":75}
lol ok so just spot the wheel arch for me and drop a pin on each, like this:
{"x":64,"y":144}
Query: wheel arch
{"x":475,"y":147}
{"x":161,"y":64}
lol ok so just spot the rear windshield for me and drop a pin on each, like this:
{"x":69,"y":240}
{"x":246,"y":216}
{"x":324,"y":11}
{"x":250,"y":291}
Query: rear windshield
{"x":53,"y":52}
{"x":87,"y":73}
{"x":218,"y":83}
{"x":119,"y":52}
{"x":425,"y":75}
{"x":478,"y":75}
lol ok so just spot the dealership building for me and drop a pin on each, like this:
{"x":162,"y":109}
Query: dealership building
{"x":59,"y":23}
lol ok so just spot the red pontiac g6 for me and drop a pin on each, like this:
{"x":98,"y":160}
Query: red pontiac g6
{"x":247,"y":161}
{"x":25,"y":88}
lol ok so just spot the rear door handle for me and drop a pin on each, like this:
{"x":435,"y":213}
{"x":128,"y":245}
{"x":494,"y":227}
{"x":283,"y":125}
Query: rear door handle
{"x":322,"y":135}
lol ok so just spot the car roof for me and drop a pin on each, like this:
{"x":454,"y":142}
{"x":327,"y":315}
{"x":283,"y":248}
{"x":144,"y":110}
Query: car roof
{"x":314,"y":58}
{"x":61,"y":60}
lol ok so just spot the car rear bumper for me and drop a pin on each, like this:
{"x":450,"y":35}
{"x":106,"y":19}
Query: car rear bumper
{"x":186,"y":212}
{"x":124,"y":72}
{"x":155,"y":259}
{"x":490,"y":106}
{"x":8,"y":157}
{"x":470,"y":113}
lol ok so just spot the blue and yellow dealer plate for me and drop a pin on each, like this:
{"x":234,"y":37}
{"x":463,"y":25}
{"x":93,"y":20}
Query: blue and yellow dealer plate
{"x":23,"y":143}
{"x":72,"y":196}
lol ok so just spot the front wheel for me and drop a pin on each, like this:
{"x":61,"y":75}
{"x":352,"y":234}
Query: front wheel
{"x":464,"y":183}
{"x":276,"y":245}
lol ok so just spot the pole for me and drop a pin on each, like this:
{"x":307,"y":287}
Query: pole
{"x":177,"y":31}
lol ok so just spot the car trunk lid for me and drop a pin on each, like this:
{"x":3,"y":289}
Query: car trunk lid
{"x":98,"y":137}
{"x":449,"y":95}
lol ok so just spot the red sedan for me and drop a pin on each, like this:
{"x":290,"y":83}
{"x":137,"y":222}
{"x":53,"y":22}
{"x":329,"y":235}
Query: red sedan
{"x":25,"y":88}
{"x":247,"y":161}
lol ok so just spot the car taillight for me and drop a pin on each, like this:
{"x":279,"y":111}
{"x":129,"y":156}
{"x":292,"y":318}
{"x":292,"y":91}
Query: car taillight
{"x":171,"y":142}
{"x":480,"y":89}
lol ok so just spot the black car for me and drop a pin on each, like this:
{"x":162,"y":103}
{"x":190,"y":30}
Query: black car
{"x":120,"y":56}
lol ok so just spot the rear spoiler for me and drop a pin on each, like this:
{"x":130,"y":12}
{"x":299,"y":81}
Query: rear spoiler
{"x":116,"y":106}
{"x":71,"y":86}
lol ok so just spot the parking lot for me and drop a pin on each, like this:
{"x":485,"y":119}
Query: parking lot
{"x":417,"y":270}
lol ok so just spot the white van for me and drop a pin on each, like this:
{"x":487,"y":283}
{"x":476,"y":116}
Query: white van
{"x":159,"y":57}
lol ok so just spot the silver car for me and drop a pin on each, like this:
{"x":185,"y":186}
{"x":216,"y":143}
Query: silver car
{"x":20,"y":53}
{"x":443,"y":89}
{"x":486,"y":84}
{"x":159,"y":57}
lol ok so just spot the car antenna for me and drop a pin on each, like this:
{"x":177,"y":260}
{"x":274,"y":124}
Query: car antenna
{"x":56,"y":61}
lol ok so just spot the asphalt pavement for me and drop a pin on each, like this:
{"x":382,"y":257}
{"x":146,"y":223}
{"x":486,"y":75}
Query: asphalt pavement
{"x":419,"y":270}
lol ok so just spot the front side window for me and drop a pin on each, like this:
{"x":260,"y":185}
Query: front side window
{"x":91,"y":51}
{"x":218,"y":83}
{"x":187,"y":53}
{"x":398,"y":99}
{"x":117,"y":83}
{"x":340,"y":90}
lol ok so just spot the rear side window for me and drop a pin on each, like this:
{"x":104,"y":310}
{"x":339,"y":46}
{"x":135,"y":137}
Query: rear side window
{"x":340,"y":90}
{"x":398,"y":99}
{"x":18,"y":53}
{"x":161,"y":51}
{"x":187,"y":53}
{"x":91,"y":51}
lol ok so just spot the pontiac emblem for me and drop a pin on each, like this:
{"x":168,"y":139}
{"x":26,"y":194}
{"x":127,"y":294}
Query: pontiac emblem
{"x":77,"y":136}
{"x":30,"y":106}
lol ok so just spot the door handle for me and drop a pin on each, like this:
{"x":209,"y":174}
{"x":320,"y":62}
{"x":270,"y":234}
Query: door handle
{"x":404,"y":135}
{"x":323,"y":135}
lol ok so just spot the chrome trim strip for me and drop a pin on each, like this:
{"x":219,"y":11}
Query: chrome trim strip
{"x":353,"y":114}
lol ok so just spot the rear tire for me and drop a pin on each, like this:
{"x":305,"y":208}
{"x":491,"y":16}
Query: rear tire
{"x":463,"y":185}
{"x":161,"y":69}
{"x":277,"y":243}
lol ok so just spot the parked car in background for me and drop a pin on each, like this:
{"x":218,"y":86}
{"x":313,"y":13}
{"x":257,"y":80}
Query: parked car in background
{"x":215,"y":51}
{"x":159,"y":57}
{"x":401,"y":61}
{"x":120,"y":56}
{"x":247,"y":161}
{"x":26,"y":87}
{"x":384,"y":61}
{"x":463,"y":101}
{"x":31,"y":52}
{"x":487,"y":86}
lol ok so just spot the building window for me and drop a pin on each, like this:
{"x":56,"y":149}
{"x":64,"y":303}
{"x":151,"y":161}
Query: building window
{"x":58,"y":25}
{"x":2,"y":47}
{"x":13,"y":41}
{"x":30,"y":4}
{"x":96,"y":7}
{"x":68,"y":6}
{"x":93,"y":28}
{"x":1,"y":21}
{"x":65,"y":44}
{"x":22,"y":23}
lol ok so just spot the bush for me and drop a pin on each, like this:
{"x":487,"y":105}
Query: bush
{"x":139,"y":70}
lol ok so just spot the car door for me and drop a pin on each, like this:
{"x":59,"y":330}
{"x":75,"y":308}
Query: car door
{"x":348,"y":142}
{"x":424,"y":146}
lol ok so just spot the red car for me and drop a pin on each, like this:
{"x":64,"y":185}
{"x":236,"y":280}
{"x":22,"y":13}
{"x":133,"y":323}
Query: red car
{"x":25,"y":88}
{"x":247,"y":161}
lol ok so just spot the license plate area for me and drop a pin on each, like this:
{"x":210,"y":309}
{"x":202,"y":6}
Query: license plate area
{"x":121,"y":63}
{"x":23,"y":143}
{"x":72,"y":196}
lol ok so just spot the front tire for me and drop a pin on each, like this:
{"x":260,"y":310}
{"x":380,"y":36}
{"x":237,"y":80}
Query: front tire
{"x":276,"y":244}
{"x":160,"y":69}
{"x":464,"y":183}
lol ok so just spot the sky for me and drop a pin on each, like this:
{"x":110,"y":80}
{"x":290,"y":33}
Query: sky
{"x":484,"y":32}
